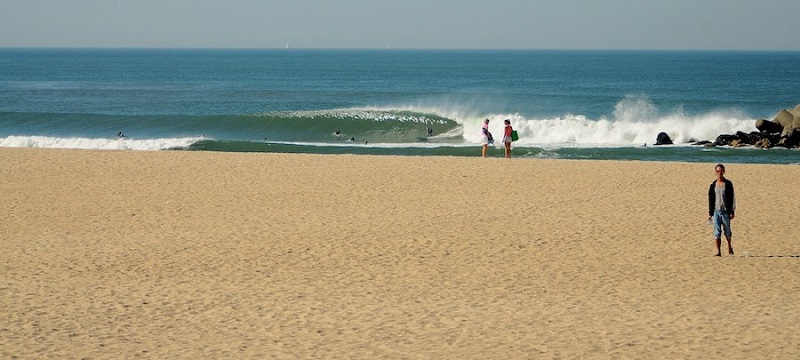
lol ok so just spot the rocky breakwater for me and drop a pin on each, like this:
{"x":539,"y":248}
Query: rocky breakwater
{"x":782,"y":131}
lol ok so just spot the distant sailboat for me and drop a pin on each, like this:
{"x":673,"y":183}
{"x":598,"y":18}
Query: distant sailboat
{"x":287,"y":45}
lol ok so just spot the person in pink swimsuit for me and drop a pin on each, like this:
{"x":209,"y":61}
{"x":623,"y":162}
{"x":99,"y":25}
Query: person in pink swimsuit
{"x":507,"y":138}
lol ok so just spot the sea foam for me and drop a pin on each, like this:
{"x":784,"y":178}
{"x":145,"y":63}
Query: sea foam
{"x":98,"y":143}
{"x":634,"y":122}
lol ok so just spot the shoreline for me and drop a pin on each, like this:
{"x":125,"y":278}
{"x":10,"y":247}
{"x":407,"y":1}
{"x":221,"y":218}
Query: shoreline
{"x":661,"y":153}
{"x":188,"y":254}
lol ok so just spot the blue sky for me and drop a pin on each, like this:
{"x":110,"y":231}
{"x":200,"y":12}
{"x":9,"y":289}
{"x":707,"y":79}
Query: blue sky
{"x":415,"y":24}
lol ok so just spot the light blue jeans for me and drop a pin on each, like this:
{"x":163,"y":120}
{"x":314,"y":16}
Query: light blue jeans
{"x":722,"y":220}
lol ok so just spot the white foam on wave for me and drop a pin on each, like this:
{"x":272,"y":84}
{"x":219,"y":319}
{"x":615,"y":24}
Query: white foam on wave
{"x":97,"y":143}
{"x":366,"y":113}
{"x":635,"y":121}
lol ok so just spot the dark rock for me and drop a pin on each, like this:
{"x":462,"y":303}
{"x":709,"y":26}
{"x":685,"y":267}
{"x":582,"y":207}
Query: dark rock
{"x":792,"y":139}
{"x":772,"y":137}
{"x":738,"y":143}
{"x":749,"y":139}
{"x":763,"y":143}
{"x":724,"y":139}
{"x":663,"y":139}
{"x":741,"y":138}
{"x":784,"y":130}
{"x":768,"y":126}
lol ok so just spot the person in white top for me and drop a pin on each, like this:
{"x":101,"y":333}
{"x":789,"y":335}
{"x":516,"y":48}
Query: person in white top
{"x":486,"y":137}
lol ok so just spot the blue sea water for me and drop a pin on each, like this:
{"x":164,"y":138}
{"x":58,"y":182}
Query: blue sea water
{"x":564,"y":104}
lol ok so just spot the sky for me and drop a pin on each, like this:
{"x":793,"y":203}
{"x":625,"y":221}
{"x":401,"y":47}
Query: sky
{"x":403,"y":24}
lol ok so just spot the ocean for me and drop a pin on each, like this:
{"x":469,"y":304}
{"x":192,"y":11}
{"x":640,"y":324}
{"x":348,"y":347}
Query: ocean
{"x":564,"y":104}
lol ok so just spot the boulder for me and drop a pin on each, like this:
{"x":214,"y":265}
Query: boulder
{"x":784,"y":118}
{"x":795,"y":123}
{"x":768,"y":126}
{"x":788,"y":119}
{"x":795,"y":112}
{"x":784,"y":130}
{"x":747,"y":139}
{"x":791,"y":139}
{"x":663,"y":139}
{"x":724,"y":139}
{"x":764,"y":143}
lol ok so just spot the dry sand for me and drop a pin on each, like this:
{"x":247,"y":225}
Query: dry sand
{"x":120,"y":254}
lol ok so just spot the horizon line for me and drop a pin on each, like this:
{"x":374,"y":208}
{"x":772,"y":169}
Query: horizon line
{"x":386,"y":49}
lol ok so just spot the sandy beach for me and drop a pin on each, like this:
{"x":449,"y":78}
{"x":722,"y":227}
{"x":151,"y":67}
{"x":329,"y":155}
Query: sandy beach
{"x":175,"y":254}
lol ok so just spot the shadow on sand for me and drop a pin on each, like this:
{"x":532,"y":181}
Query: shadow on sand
{"x":768,"y":256}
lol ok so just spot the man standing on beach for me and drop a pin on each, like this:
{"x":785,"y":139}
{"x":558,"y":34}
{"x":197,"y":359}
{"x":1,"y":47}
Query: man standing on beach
{"x":721,"y":207}
{"x":486,"y":137}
